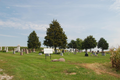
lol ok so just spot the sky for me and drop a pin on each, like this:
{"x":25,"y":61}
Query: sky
{"x":78,"y":18}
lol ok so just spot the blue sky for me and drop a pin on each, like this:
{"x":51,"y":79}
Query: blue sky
{"x":78,"y":18}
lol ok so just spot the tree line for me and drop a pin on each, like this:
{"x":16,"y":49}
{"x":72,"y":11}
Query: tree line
{"x":88,"y":43}
{"x":56,"y":37}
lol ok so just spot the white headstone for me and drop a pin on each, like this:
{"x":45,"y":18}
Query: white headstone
{"x":18,"y":48}
{"x":6,"y":49}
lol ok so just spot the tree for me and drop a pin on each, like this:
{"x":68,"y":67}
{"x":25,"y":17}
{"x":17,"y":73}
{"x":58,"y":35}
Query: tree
{"x":79,"y":43}
{"x":72,"y":44}
{"x":89,"y":43}
{"x":102,"y":43}
{"x":33,"y":41}
{"x":55,"y":36}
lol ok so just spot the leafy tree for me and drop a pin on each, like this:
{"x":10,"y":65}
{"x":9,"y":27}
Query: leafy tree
{"x":102,"y":43}
{"x":55,"y":36}
{"x":79,"y":43}
{"x":72,"y":44}
{"x":33,"y":41}
{"x":89,"y":43}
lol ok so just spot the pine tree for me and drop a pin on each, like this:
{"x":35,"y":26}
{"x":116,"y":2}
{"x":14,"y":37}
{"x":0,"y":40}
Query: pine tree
{"x":33,"y":41}
{"x":55,"y":36}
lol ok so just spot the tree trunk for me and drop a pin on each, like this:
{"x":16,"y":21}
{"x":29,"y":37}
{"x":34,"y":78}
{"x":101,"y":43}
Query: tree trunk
{"x":102,"y":50}
{"x":90,"y":49}
{"x":85,"y":50}
{"x":75,"y":51}
{"x":55,"y":51}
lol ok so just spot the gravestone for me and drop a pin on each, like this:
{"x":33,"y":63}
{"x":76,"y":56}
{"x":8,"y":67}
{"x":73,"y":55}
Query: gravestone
{"x":103,"y":54}
{"x":22,"y":50}
{"x":6,"y":49}
{"x":26,"y":51}
{"x":33,"y":50}
{"x":97,"y":51}
{"x":18,"y":48}
{"x":29,"y":50}
{"x":21,"y":53}
{"x":40,"y":53}
{"x":94,"y":53}
{"x":63,"y":51}
{"x":61,"y":60}
{"x":61,"y":54}
{"x":13,"y":51}
{"x":54,"y":60}
{"x":86,"y":54}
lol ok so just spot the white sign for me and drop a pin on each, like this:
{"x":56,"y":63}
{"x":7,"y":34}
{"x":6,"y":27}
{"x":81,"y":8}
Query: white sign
{"x":48,"y":51}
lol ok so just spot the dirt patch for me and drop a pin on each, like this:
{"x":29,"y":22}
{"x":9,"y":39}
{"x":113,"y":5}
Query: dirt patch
{"x":99,"y":69}
{"x":5,"y":76}
{"x":69,"y":73}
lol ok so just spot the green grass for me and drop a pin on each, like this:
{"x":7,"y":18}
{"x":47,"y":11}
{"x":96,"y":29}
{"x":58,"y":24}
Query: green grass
{"x":35,"y":67}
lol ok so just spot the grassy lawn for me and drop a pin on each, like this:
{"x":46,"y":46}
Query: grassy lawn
{"x":35,"y":67}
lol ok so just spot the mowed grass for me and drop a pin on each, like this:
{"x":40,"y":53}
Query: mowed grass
{"x":35,"y":67}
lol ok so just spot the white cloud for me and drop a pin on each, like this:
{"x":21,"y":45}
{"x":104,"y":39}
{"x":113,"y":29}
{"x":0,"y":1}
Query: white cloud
{"x":116,"y":5}
{"x":23,"y":6}
{"x":22,"y":25}
{"x":8,"y":7}
{"x":7,"y":35}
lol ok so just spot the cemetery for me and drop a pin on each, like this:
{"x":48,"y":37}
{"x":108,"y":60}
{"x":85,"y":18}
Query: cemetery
{"x":59,"y":60}
{"x":28,"y":65}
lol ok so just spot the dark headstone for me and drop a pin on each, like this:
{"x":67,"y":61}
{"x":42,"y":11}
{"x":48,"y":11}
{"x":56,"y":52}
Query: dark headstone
{"x":86,"y":54}
{"x":62,"y":51}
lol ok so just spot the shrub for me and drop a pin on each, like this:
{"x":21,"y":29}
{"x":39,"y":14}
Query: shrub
{"x":115,"y":57}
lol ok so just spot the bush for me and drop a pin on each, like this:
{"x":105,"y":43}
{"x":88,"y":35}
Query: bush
{"x":115,"y":57}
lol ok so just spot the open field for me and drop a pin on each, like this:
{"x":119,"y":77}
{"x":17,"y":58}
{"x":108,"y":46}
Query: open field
{"x":76,"y":67}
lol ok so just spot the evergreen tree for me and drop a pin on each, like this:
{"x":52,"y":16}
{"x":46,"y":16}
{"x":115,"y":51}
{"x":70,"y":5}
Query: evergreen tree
{"x":55,"y":36}
{"x":102,"y":43}
{"x":89,"y":43}
{"x":33,"y":40}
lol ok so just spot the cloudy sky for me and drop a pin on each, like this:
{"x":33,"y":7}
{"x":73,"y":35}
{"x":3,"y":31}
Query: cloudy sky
{"x":78,"y":18}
